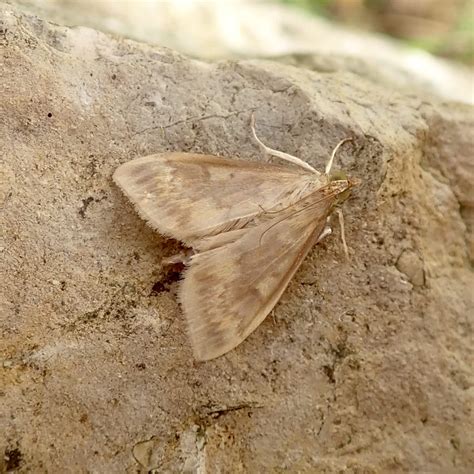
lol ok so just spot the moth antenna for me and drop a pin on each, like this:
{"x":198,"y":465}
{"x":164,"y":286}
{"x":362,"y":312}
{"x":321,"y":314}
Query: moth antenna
{"x":282,"y":220}
{"x":340,"y":216}
{"x":265,"y":211}
{"x":333,"y":154}
{"x":279,"y":154}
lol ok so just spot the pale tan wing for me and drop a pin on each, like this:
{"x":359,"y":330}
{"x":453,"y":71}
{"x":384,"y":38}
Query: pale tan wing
{"x":229,"y":290}
{"x":188,"y":196}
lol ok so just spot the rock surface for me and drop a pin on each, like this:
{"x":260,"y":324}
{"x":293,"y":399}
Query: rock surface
{"x":364,"y":366}
{"x":251,"y":28}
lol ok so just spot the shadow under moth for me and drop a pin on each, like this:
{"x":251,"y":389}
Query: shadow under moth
{"x":250,"y":225}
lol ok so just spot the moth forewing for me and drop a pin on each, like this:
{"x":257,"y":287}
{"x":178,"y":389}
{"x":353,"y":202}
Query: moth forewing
{"x":189,"y":196}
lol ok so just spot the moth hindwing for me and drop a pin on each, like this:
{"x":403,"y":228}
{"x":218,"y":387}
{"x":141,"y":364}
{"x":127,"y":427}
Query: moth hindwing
{"x":250,"y":224}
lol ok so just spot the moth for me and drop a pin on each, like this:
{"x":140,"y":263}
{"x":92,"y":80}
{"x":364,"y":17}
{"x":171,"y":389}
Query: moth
{"x":250,"y":225}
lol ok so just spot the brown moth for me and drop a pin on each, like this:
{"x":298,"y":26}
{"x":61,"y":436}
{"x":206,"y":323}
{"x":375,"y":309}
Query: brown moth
{"x":250,"y":224}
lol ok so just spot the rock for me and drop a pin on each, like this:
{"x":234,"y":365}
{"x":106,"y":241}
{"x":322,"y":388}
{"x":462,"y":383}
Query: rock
{"x":266,"y":29}
{"x":411,"y":265}
{"x":356,"y":370}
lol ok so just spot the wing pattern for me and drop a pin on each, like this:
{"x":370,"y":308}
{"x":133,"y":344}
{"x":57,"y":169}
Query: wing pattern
{"x":251,"y":224}
{"x":188,"y":196}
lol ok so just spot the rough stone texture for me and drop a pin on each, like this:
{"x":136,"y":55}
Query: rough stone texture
{"x":360,"y":368}
{"x":251,"y":28}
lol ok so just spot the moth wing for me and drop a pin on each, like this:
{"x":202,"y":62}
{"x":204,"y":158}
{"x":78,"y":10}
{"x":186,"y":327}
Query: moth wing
{"x":228,"y":290}
{"x":188,"y":196}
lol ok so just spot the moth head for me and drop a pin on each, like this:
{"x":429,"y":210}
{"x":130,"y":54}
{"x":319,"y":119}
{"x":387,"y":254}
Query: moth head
{"x":339,"y":175}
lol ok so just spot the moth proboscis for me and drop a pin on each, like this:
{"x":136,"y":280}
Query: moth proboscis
{"x":250,"y":225}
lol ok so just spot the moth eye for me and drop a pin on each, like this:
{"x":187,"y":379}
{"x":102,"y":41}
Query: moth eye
{"x":337,"y":176}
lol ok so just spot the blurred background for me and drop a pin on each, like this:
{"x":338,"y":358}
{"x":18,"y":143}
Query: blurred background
{"x":442,"y":27}
{"x":431,"y":39}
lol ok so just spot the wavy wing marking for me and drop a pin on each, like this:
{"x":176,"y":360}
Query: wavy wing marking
{"x":189,"y":196}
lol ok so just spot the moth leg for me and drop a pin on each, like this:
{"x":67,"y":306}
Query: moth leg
{"x":280,"y":154}
{"x":340,"y":216}
{"x":333,"y":154}
{"x":182,"y":257}
{"x":326,"y":231}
